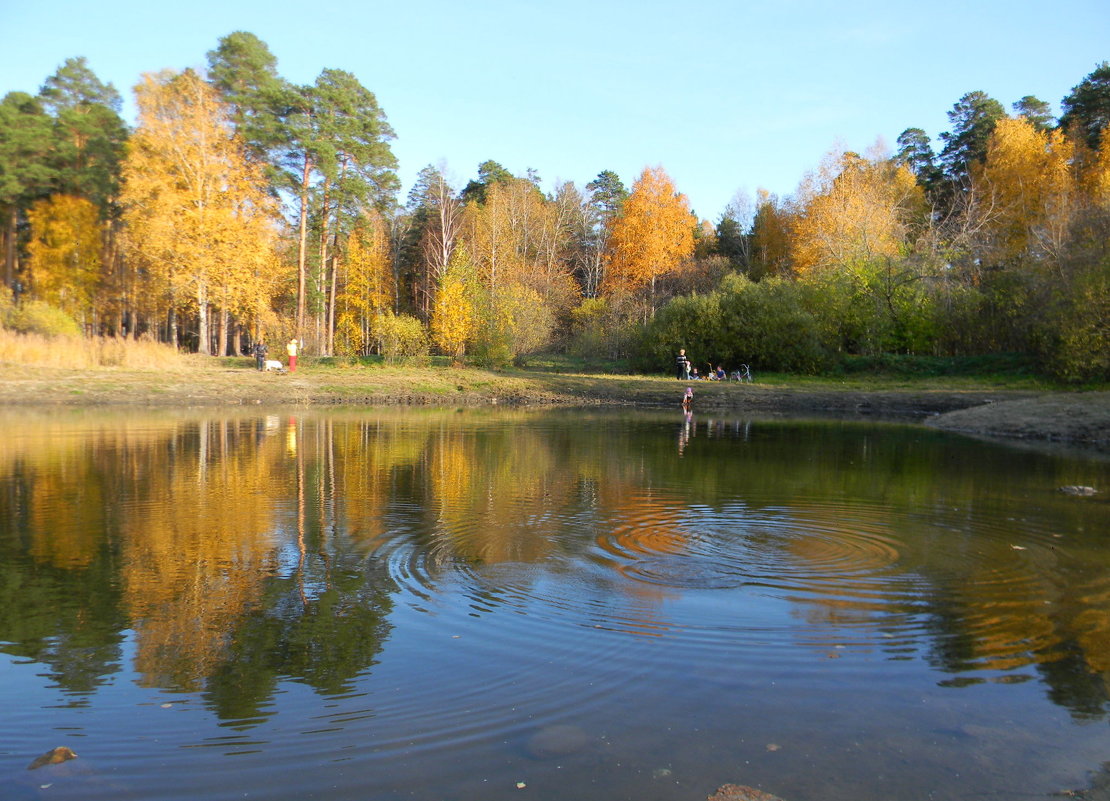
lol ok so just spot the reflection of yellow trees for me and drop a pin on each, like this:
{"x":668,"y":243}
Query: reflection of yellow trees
{"x":1092,"y":629}
{"x":180,"y":501}
{"x":194,"y":509}
{"x":369,"y":450}
{"x":66,"y":492}
{"x":493,"y":495}
{"x":194,"y":562}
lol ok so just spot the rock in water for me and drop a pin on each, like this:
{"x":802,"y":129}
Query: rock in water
{"x":55,"y":756}
{"x":740,"y":792}
{"x":1075,"y":489}
{"x":556,"y":741}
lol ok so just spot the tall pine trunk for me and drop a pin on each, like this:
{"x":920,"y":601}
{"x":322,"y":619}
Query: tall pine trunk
{"x":225,"y":321}
{"x":203,"y":346}
{"x":9,"y":248}
{"x":324,"y":335}
{"x":302,"y":249}
{"x":331,"y":306}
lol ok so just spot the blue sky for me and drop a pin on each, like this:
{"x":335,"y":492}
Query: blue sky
{"x":724,"y":95}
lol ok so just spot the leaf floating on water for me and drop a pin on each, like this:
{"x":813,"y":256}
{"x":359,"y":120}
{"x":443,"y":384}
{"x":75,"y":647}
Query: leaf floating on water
{"x":55,"y":756}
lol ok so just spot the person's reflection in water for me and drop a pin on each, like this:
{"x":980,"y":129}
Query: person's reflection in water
{"x":686,"y":431}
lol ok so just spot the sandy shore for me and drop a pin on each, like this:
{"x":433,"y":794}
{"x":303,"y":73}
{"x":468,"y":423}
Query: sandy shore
{"x":1081,"y":417}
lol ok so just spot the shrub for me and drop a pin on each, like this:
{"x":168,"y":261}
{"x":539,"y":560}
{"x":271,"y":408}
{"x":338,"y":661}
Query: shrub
{"x":691,"y":322}
{"x":515,"y":324}
{"x":1080,"y":351}
{"x":600,"y":329}
{"x":37,"y":317}
{"x":7,"y":308}
{"x":767,"y":326}
{"x":401,"y":338}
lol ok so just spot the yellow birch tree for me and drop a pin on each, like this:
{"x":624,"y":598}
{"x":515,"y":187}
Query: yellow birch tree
{"x":196,"y":207}
{"x":65,"y":253}
{"x":852,"y":213}
{"x":1029,"y":183}
{"x":454,"y":317}
{"x":368,"y":285}
{"x":652,"y":235}
{"x":516,"y":240}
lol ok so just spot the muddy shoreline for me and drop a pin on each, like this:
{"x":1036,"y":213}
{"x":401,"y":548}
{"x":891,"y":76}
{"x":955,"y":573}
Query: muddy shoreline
{"x":1079,"y":418}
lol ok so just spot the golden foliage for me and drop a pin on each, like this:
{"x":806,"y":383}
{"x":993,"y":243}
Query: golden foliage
{"x":770,"y":236}
{"x":1029,"y":186}
{"x":367,"y":284}
{"x":64,"y":253}
{"x":455,"y":317}
{"x":198,"y":214}
{"x":519,"y":237}
{"x":852,"y":212}
{"x":652,"y":235}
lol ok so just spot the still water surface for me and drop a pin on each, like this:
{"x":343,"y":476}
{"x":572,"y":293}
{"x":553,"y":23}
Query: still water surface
{"x":485,"y":604}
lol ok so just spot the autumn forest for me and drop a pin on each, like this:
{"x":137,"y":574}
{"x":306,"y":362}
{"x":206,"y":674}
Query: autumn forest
{"x":244,"y":208}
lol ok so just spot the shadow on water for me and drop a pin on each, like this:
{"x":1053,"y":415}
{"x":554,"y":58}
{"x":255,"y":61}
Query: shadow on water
{"x":611,"y":604}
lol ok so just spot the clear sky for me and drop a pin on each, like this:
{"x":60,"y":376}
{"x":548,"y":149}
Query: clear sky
{"x":724,"y":94}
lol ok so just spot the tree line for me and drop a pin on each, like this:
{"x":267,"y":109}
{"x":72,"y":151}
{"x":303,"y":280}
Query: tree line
{"x":243,"y":207}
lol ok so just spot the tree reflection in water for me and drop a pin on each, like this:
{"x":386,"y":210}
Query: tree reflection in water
{"x":241,"y":551}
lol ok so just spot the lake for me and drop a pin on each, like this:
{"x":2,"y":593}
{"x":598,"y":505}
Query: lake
{"x":544,"y":604}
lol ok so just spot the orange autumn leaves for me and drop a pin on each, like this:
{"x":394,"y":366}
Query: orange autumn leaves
{"x":653,"y":235}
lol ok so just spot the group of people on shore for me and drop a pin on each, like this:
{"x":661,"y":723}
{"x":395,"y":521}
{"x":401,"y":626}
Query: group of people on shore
{"x":685,"y":371}
{"x":261,"y":351}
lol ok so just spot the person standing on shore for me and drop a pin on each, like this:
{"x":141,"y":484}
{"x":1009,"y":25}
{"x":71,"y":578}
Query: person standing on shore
{"x":260,"y":352}
{"x":682,"y":366}
{"x":291,"y":349}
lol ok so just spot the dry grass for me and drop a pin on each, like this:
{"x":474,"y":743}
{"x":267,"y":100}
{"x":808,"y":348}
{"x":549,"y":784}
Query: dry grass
{"x":82,"y":353}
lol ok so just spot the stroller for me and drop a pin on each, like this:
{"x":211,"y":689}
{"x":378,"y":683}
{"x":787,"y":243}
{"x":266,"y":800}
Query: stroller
{"x":742,"y":374}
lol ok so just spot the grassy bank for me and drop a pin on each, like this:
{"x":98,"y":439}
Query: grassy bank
{"x":1012,"y":404}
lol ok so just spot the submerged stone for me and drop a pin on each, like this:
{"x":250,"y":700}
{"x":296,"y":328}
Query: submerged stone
{"x":555,"y":741}
{"x":1075,"y":489}
{"x":740,"y":792}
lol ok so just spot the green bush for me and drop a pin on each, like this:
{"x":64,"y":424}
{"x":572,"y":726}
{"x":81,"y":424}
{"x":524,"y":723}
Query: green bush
{"x":37,"y":317}
{"x":767,"y":326}
{"x":401,"y":338}
{"x":690,"y":322}
{"x":764,"y":325}
{"x":1080,"y":349}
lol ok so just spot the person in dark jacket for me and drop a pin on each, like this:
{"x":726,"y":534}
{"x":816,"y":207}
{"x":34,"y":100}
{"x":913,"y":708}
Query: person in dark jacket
{"x":682,"y":365}
{"x":260,"y":352}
